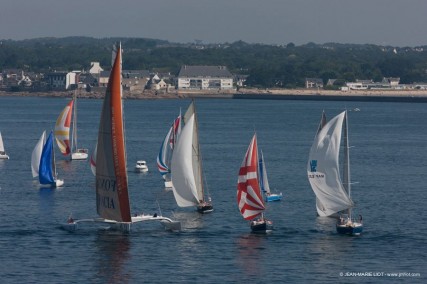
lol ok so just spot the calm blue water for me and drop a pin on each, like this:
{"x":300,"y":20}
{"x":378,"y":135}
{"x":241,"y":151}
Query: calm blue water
{"x":389,"y":163}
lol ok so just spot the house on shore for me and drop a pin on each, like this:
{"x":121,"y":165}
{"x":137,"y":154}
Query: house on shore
{"x":204,"y":78}
{"x":63,"y":80}
{"x":311,"y":83}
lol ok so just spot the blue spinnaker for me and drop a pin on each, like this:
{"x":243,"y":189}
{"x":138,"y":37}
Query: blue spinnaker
{"x":46,"y":166}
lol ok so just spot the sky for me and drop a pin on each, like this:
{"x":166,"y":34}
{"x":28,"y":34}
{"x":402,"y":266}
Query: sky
{"x":382,"y":22}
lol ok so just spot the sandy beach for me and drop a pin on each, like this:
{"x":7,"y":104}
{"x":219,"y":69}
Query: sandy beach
{"x":241,"y":93}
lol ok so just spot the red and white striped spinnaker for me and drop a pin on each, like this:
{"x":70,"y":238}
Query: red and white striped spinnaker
{"x":62,"y":129}
{"x":249,"y":197}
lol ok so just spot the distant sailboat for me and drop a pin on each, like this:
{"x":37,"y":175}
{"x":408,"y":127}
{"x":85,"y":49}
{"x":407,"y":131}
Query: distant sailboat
{"x":166,"y":149}
{"x":43,"y":162}
{"x":76,"y":152}
{"x":186,"y":167}
{"x":324,"y":175}
{"x":62,"y":132}
{"x":112,"y":198}
{"x":249,"y":195}
{"x":3,"y":154}
{"x":92,"y":161}
{"x":263,"y":182}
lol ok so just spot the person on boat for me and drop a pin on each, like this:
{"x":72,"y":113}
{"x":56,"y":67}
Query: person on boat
{"x":360,"y":219}
{"x":70,"y":220}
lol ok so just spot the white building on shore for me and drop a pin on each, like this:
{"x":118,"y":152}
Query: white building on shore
{"x":204,"y":78}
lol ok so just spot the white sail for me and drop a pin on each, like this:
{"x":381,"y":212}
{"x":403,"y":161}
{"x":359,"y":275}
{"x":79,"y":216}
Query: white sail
{"x":3,"y":154}
{"x":196,"y":156}
{"x":183,"y":179}
{"x":74,"y":130}
{"x":323,"y":168}
{"x":264,"y":178}
{"x":35,"y":156}
{"x":319,"y":206}
{"x":1,"y":144}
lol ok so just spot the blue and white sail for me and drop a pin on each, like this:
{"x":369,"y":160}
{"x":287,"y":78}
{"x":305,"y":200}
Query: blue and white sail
{"x":43,"y":162}
{"x":165,"y":154}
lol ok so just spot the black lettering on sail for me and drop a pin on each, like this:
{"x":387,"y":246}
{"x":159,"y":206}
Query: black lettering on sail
{"x":105,"y":202}
{"x":106,"y":184}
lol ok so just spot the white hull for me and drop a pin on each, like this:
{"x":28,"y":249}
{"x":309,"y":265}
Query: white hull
{"x":79,"y":156}
{"x":4,"y":156}
{"x":175,"y":226}
{"x":141,"y":170}
{"x":168,"y":185}
{"x":141,"y":167}
{"x":58,"y":183}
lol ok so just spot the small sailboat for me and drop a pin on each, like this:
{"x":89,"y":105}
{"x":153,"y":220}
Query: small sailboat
{"x":186,"y":167}
{"x":323,"y":172}
{"x":62,"y":132}
{"x":76,"y":152}
{"x":263,"y":182}
{"x":3,"y":154}
{"x":166,"y":149}
{"x":249,"y":195}
{"x":92,"y":161}
{"x":112,"y":197}
{"x":43,"y":162}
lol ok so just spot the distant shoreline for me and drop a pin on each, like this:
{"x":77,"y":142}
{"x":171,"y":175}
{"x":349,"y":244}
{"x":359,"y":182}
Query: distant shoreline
{"x":246,"y":93}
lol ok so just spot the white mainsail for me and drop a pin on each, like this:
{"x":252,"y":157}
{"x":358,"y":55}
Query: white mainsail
{"x":323,"y":168}
{"x":183,"y":178}
{"x":1,"y":144}
{"x":263,"y":176}
{"x":196,"y":155}
{"x":36,"y":155}
{"x":319,"y":206}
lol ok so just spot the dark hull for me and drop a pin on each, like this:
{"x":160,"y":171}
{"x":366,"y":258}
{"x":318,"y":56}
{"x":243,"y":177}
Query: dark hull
{"x":261,"y":227}
{"x":350,"y":230}
{"x":205,"y":208}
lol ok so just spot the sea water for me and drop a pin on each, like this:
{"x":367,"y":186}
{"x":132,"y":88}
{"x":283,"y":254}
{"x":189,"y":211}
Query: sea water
{"x":388,"y":167}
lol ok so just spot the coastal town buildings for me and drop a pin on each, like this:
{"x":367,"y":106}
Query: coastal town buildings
{"x":204,"y":78}
{"x":62,"y":80}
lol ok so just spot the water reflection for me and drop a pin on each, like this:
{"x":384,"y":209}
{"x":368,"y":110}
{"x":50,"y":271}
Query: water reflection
{"x":47,"y":202}
{"x":189,"y":220}
{"x":113,"y":254}
{"x":326,"y":246}
{"x":65,"y":165}
{"x":249,"y":257}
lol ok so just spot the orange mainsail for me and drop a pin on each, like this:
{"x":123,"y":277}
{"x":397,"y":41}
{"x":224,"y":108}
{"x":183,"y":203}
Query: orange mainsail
{"x":111,"y":177}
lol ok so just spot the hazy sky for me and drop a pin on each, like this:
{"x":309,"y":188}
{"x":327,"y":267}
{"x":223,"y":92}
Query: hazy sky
{"x":384,"y":22}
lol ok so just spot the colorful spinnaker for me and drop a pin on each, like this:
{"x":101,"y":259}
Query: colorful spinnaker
{"x":62,"y":129}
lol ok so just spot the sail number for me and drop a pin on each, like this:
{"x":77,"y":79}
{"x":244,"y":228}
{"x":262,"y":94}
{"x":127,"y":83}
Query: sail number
{"x":316,"y":176}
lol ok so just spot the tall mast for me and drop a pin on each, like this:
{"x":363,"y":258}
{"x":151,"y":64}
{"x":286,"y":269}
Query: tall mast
{"x":74,"y":132}
{"x":199,"y":155}
{"x":346,"y":165}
